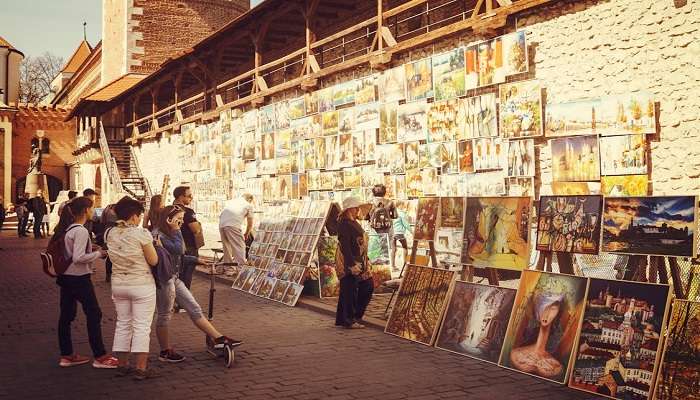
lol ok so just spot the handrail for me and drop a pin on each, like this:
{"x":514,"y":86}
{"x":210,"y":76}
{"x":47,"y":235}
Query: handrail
{"x":110,"y":162}
{"x":146,"y":186}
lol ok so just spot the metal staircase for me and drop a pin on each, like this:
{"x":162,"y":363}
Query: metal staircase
{"x":123,"y":169}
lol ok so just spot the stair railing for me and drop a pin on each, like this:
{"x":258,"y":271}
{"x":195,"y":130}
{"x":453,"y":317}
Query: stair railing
{"x":111,"y":164}
{"x":146,"y":187}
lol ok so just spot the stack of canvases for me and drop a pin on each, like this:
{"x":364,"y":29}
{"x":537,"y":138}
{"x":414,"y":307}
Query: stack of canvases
{"x":597,"y":335}
{"x":280,"y":254}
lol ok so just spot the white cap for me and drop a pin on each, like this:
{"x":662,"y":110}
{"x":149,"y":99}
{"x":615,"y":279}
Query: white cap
{"x":352,"y":202}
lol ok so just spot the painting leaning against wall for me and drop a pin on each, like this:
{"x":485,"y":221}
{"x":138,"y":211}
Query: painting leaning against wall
{"x":569,"y":224}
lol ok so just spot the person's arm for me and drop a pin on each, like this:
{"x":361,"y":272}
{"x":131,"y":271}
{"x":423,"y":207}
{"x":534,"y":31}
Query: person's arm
{"x":174,"y":244}
{"x":81,"y":238}
{"x":145,"y":220}
{"x":393,"y":213}
{"x":249,"y":223}
{"x":149,"y":251}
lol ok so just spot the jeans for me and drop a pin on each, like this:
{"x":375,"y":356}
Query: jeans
{"x":76,"y":289}
{"x":353,"y":300}
{"x":173,"y":290}
{"x":187,"y":269}
{"x":135,"y":306}
{"x":37,"y":225}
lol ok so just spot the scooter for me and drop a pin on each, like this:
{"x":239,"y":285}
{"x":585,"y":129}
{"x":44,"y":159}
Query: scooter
{"x":225,"y":349}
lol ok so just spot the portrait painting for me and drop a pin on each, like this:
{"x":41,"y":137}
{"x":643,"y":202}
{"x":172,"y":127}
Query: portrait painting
{"x":480,"y":117}
{"x":623,"y":155}
{"x":544,"y":323}
{"x":569,"y":224}
{"x":392,"y":85}
{"x":571,"y":118}
{"x":496,"y":232}
{"x":476,"y":320}
{"x":521,"y":157}
{"x":575,"y":159}
{"x":627,"y":114}
{"x":520,"y":109}
{"x":426,"y":218}
{"x":412,"y":121}
{"x":466,"y":156}
{"x":451,"y":212}
{"x":419,"y":80}
{"x":448,"y":74}
{"x":624,"y":185}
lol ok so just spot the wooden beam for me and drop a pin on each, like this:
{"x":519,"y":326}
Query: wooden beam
{"x":403,"y":7}
{"x":477,"y":8}
{"x":380,"y":26}
{"x":388,"y":37}
{"x":504,"y":3}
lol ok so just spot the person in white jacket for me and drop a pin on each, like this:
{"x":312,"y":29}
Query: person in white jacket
{"x":76,"y":286}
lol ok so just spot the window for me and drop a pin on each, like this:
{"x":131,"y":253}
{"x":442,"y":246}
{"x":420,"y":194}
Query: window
{"x":45,"y":145}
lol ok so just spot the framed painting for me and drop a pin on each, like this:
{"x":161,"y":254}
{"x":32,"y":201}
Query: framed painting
{"x":544,"y":324}
{"x":624,"y":185}
{"x":392,"y":85}
{"x":448,"y":74}
{"x":426,"y":218}
{"x":419,"y":80}
{"x":496,"y":232}
{"x":575,"y":159}
{"x":292,"y":294}
{"x":297,"y":108}
{"x":520,"y":111}
{"x":571,"y":118}
{"x":521,"y":157}
{"x":420,"y":302}
{"x":569,"y":224}
{"x":623,"y":155}
{"x":653,"y":225}
{"x":480,"y":117}
{"x":680,"y":365}
{"x":330,"y":121}
{"x":476,"y":320}
{"x":452,"y":212}
{"x":412,"y":121}
{"x":620,"y":341}
{"x":627,"y":114}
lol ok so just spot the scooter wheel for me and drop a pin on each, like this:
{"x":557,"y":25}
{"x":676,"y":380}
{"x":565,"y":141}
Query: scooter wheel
{"x":229,"y":356}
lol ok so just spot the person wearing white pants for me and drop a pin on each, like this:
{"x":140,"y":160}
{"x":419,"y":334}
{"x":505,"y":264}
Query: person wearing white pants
{"x":131,"y":250}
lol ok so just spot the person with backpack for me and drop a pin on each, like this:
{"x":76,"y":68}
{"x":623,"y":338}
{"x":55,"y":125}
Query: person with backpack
{"x":169,"y":236}
{"x":74,"y":270}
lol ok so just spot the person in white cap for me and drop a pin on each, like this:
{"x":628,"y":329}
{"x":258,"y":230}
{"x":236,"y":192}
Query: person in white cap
{"x":356,"y":286}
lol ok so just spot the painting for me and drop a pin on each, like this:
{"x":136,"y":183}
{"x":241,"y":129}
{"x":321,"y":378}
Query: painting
{"x":420,"y":302}
{"x":451,"y":212}
{"x":450,"y":158}
{"x":266,"y":118}
{"x":367,"y":117}
{"x":489,"y":60}
{"x":310,"y":103}
{"x":680,"y":365}
{"x":412,"y":121}
{"x":657,"y":225}
{"x":571,"y":118}
{"x":442,"y":120}
{"x":521,"y":157}
{"x":575,"y":188}
{"x":480,"y":118}
{"x":414,"y":183}
{"x":366,"y":89}
{"x":624,"y":185}
{"x":515,"y":55}
{"x":465,"y":151}
{"x":330,"y":121}
{"x":426,"y":218}
{"x":419,"y":80}
{"x":490,"y":154}
{"x":268,"y":146}
{"x":575,"y":159}
{"x":388,"y":123}
{"x":431,"y":181}
{"x":282,"y":142}
{"x":448,"y":74}
{"x":518,"y":187}
{"x":282,"y":115}
{"x":496,"y":232}
{"x":390,"y":158}
{"x":627,"y":114}
{"x":476,"y":320}
{"x":392,"y":85}
{"x":620,"y":341}
{"x":343,"y":93}
{"x":623,"y":155}
{"x":332,"y":152}
{"x":325,"y":100}
{"x":345,"y":150}
{"x":297,"y":108}
{"x":279,"y":290}
{"x":346,"y":120}
{"x":379,"y":256}
{"x":351,"y":177}
{"x":569,"y":224}
{"x":412,"y":155}
{"x":370,"y":144}
{"x":544,"y":323}
{"x":520,"y":111}
{"x":485,"y":184}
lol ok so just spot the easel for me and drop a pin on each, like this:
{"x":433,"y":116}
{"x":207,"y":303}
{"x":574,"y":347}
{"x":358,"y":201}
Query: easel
{"x":635,"y":271}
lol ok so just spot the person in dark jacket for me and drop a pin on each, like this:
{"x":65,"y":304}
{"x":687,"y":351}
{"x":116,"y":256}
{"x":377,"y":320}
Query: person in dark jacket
{"x":168,"y":235}
{"x":356,"y":286}
{"x":37,"y":206}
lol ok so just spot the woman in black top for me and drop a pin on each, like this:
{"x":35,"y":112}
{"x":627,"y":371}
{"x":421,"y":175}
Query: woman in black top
{"x":356,"y":286}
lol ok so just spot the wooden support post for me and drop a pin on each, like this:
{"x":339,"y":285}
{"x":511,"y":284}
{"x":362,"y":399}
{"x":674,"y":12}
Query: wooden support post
{"x":492,"y":276}
{"x":380,"y":25}
{"x":676,"y":276}
{"x":177,"y":83}
{"x":154,"y":107}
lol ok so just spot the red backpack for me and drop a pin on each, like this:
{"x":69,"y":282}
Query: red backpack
{"x":55,"y":260}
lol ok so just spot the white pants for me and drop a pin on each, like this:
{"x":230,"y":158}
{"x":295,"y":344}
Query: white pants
{"x":135,"y":306}
{"x":234,"y":245}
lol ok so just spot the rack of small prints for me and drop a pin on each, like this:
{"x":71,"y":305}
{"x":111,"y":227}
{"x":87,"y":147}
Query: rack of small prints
{"x":280,"y":254}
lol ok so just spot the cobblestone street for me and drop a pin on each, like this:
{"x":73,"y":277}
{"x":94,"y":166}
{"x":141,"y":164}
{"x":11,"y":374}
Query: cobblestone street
{"x":289,"y":353}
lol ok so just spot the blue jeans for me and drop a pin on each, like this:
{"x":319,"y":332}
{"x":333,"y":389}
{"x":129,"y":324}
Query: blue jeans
{"x":173,"y":290}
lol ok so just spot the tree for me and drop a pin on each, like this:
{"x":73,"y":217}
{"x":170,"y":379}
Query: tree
{"x":36,"y":75}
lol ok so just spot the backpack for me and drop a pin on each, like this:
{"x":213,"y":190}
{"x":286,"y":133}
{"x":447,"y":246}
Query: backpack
{"x":379,"y":219}
{"x":55,"y":261}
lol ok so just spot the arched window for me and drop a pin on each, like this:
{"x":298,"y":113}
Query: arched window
{"x":45,"y":145}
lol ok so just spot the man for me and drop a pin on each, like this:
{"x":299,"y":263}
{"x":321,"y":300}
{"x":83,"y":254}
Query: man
{"x":230,"y":222}
{"x":22,"y":216}
{"x":191,"y":231}
{"x":71,"y":196}
{"x":37,"y":206}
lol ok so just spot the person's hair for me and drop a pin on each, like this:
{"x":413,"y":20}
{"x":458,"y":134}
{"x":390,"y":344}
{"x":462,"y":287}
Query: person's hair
{"x":72,"y":194}
{"x":89,"y":192}
{"x":248,"y":197}
{"x":70,"y":213}
{"x":379,"y":190}
{"x":180,"y":191}
{"x":128,"y":207}
{"x":164,"y":214}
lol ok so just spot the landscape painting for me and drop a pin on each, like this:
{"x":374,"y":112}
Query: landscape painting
{"x":420,"y":302}
{"x":426,"y":218}
{"x":571,"y":118}
{"x":520,"y":111}
{"x":448,"y":74}
{"x":544,"y":324}
{"x":625,"y":185}
{"x":476,"y":320}
{"x":419,"y":80}
{"x":623,"y":155}
{"x":496,"y":232}
{"x":658,"y":225}
{"x":569,"y":224}
{"x":627,"y":114}
{"x":680,"y":367}
{"x":575,"y":159}
{"x":620,"y":341}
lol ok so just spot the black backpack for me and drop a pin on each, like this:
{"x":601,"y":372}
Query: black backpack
{"x":379,"y":219}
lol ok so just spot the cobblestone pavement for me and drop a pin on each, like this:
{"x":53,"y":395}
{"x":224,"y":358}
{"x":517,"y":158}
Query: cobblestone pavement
{"x":289,"y":353}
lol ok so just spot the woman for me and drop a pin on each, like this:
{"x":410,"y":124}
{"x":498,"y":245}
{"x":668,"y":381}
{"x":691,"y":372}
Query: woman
{"x":356,"y":286}
{"x":76,"y":286}
{"x":150,"y":222}
{"x":168,"y":234}
{"x":133,"y":286}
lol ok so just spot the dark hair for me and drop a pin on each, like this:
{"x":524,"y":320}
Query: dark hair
{"x":128,"y":207}
{"x":163,"y":216}
{"x":379,"y":190}
{"x":89,"y":192}
{"x":180,"y":191}
{"x":72,"y":194}
{"x":70,"y":212}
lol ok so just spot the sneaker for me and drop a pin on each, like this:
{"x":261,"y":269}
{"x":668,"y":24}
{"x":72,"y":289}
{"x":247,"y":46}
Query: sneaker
{"x":355,"y":325}
{"x":225,"y":340}
{"x":141,"y":375}
{"x":124,"y":371}
{"x":171,"y":356}
{"x":106,"y":362}
{"x":72,"y":361}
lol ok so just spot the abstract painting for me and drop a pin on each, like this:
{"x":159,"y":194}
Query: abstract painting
{"x":620,"y":341}
{"x":627,"y":114}
{"x":571,"y":118}
{"x":480,"y":116}
{"x":451,"y":212}
{"x":623,"y":155}
{"x":680,"y":366}
{"x":569,"y":224}
{"x":496,"y":232}
{"x":624,"y":185}
{"x":420,"y":302}
{"x":392,"y":85}
{"x":657,"y":225}
{"x":521,"y":157}
{"x":544,"y":323}
{"x":426,"y":218}
{"x":419,"y":80}
{"x":520,"y":112}
{"x":476,"y":320}
{"x":575,"y":159}
{"x":448,"y":74}
{"x":412,"y":121}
